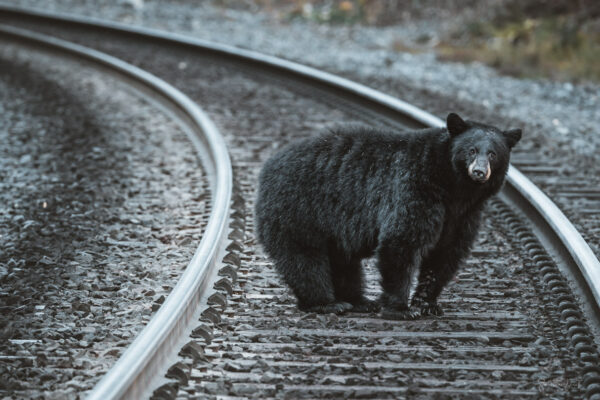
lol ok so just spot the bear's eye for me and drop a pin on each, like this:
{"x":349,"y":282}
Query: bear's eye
{"x":472,"y":152}
{"x":492,"y":155}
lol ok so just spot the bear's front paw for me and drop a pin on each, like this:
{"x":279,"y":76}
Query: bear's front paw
{"x":406,"y":314}
{"x":427,"y":308}
{"x":431,"y":309}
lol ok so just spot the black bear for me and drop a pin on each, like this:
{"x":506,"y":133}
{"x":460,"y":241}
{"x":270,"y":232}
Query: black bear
{"x":413,"y":199}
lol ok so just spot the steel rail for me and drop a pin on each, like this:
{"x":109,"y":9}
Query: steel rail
{"x":144,"y":360}
{"x":553,"y":227}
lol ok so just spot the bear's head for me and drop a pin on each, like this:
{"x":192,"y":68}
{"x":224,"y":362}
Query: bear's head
{"x":480,"y":152}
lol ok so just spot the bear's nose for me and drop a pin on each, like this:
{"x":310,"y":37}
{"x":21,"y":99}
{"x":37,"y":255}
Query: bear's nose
{"x":479,"y":170}
{"x":478,"y":173}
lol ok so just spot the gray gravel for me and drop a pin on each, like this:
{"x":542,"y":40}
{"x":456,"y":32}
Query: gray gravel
{"x":474,"y":90}
{"x":263,"y":347}
{"x":103,"y":204}
{"x":561,"y":145}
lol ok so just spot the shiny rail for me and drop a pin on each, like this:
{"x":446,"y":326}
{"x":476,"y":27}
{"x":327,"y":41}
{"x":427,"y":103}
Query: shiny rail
{"x":550,"y":225}
{"x":144,"y":360}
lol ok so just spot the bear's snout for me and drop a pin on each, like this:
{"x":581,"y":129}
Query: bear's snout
{"x":478,"y":175}
{"x":479,"y":170}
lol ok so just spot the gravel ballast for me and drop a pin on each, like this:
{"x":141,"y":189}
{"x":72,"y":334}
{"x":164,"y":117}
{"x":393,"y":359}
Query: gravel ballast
{"x":104,"y":201}
{"x":494,"y":341}
{"x":500,"y":335}
{"x":246,"y":107}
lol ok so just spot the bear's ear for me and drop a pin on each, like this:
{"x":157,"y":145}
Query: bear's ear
{"x":512,"y":137}
{"x":455,"y":124}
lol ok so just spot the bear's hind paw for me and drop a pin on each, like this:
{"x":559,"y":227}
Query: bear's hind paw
{"x":332,"y":308}
{"x":409,"y":314}
{"x":366,"y":306}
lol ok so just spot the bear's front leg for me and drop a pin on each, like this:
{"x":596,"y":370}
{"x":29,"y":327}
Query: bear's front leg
{"x":436,"y":271}
{"x":431,"y":283}
{"x":441,"y":264}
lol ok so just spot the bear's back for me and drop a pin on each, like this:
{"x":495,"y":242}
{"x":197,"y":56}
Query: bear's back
{"x":332,"y":184}
{"x":352,"y":146}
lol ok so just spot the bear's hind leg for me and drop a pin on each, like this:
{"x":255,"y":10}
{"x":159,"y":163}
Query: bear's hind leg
{"x":348,"y":282}
{"x":308,"y":274}
{"x":396,"y":282}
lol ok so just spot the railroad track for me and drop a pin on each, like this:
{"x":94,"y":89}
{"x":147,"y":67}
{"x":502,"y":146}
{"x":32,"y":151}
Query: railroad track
{"x":522,"y":316}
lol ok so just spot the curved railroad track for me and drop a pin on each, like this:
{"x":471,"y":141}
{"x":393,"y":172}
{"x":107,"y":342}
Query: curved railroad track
{"x":522,"y":316}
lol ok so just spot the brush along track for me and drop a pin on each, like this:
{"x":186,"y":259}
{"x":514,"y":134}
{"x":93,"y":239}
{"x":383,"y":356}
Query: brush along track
{"x":557,"y":350}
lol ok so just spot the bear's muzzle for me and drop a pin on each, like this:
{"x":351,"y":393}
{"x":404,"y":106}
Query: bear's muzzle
{"x":479,"y":170}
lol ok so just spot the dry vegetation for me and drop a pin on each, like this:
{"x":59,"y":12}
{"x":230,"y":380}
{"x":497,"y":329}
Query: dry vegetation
{"x":369,"y":12}
{"x":559,"y":39}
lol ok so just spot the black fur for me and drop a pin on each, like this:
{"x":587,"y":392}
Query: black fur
{"x":326,"y":202}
